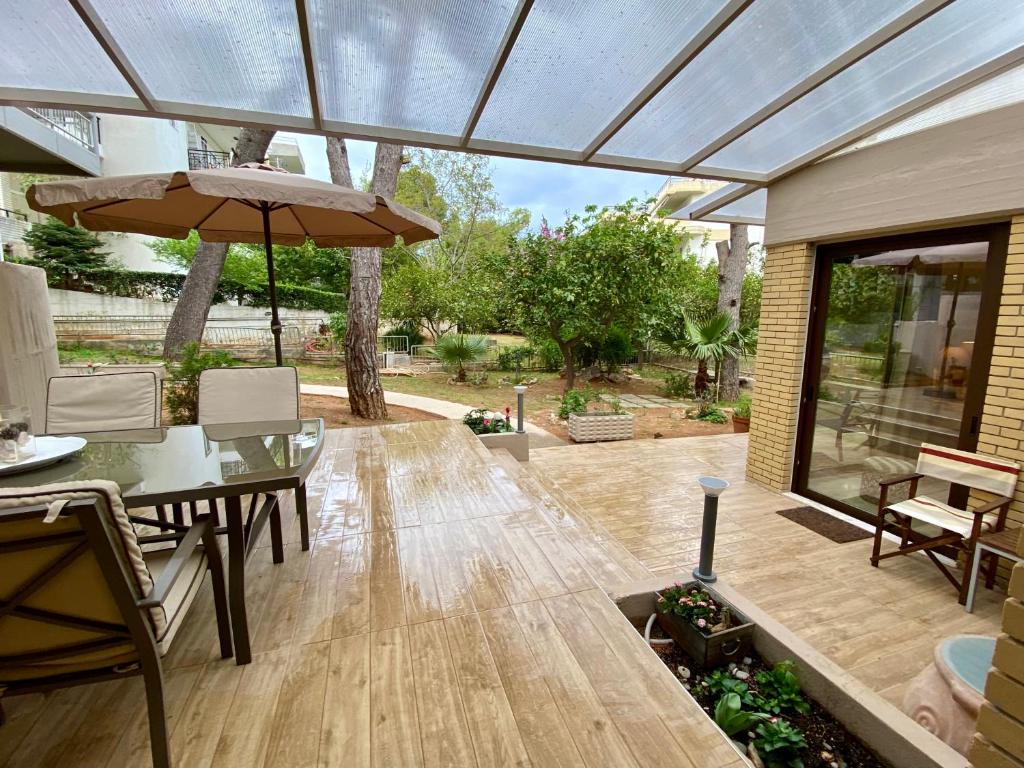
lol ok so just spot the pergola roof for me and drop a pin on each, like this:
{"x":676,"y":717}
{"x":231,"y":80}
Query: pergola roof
{"x":744,"y":90}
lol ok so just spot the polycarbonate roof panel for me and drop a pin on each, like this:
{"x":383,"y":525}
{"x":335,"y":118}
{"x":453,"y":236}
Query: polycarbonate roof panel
{"x":769,"y":48}
{"x":752,"y":206}
{"x":1001,"y":91}
{"x":411,"y":64}
{"x":961,"y":36}
{"x":566,"y":48}
{"x":237,"y":54}
{"x":44,"y":45}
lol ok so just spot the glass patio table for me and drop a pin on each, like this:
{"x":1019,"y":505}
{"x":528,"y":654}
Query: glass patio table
{"x":192,"y":463}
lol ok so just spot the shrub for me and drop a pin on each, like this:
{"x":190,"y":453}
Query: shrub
{"x":410,"y":329}
{"x":183,"y":381}
{"x":678,"y":386}
{"x":512,"y":358}
{"x":742,"y":409}
{"x":338,"y":323}
{"x":574,"y":401}
{"x":68,"y":254}
{"x":547,"y":355}
{"x":708,"y":410}
{"x":714,"y":416}
{"x":779,"y":690}
{"x":615,"y":349}
{"x":721,"y":682}
{"x":482,"y":422}
{"x":779,"y":744}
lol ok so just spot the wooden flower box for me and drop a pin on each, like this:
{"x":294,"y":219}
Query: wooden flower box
{"x":709,"y":651}
{"x":595,"y":427}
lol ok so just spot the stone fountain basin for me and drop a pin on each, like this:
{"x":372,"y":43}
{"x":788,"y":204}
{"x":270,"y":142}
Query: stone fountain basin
{"x":880,"y":725}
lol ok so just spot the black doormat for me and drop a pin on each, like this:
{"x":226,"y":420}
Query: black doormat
{"x":825,"y":524}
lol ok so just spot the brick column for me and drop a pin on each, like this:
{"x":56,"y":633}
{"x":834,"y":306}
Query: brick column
{"x":778,"y":371}
{"x":1003,"y":418}
{"x":999,"y":742}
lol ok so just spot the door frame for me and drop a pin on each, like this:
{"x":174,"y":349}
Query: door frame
{"x":998,"y":236}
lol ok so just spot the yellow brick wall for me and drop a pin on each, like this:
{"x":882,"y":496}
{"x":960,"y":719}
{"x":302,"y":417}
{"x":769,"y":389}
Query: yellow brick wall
{"x":1003,"y":418}
{"x":999,"y":742}
{"x":778,"y":371}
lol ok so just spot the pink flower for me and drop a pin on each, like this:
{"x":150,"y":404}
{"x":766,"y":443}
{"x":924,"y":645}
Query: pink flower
{"x":682,"y":600}
{"x":486,"y":422}
{"x":701,"y":623}
{"x":702,"y":604}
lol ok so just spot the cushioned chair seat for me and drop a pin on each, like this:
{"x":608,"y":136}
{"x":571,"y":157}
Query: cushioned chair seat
{"x":102,"y":402}
{"x":929,"y":510}
{"x":182,"y":594}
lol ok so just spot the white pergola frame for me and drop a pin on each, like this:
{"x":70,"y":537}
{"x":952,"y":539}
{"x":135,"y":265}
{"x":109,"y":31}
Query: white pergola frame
{"x":146,"y":104}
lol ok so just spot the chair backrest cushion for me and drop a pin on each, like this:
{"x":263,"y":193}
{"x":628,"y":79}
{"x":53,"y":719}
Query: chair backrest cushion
{"x":102,"y":402}
{"x":985,"y":473}
{"x":78,"y":588}
{"x":233,"y":395}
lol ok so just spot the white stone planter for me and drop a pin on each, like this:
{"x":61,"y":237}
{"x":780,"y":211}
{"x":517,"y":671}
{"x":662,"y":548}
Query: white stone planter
{"x":594,"y":427}
{"x":515,"y":443}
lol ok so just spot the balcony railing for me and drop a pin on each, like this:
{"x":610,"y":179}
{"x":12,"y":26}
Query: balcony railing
{"x":207,"y":158}
{"x":80,"y":127}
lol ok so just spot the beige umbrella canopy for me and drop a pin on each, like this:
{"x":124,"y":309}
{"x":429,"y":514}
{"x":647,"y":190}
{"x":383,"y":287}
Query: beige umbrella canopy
{"x":253,"y":203}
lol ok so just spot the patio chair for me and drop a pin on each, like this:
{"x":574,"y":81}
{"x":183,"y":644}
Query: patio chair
{"x":237,"y":395}
{"x":102,"y":402}
{"x":958,"y":529}
{"x":80,"y":602}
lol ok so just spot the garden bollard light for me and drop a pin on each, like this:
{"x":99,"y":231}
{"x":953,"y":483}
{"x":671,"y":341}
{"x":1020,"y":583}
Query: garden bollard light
{"x":520,"y":395}
{"x":713,"y":488}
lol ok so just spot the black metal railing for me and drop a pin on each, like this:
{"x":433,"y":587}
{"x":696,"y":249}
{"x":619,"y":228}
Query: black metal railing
{"x":207,"y":158}
{"x":77,"y":126}
{"x":17,"y":215}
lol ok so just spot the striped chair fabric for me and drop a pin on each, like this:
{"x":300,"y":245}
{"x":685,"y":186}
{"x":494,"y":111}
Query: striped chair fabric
{"x":985,"y":473}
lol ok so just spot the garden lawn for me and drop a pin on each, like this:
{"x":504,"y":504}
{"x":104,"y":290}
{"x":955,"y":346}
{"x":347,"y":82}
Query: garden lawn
{"x":542,"y":398}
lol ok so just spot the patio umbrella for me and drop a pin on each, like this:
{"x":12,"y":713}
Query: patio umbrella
{"x":253,"y":203}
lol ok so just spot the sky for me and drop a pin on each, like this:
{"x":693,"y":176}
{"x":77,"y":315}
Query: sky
{"x":546,"y":189}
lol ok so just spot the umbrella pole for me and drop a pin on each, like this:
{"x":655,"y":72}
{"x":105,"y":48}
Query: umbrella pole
{"x":275,"y":320}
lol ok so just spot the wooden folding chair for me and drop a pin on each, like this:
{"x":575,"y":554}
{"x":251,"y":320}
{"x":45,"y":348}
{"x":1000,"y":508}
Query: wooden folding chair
{"x":959,"y":529}
{"x":80,"y":602}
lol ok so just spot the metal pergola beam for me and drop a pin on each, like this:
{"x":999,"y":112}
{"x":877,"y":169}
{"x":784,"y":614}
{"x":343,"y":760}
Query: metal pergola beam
{"x":508,"y":42}
{"x":310,"y":62}
{"x":711,"y":202}
{"x":697,"y":43}
{"x":846,"y":59}
{"x":99,"y":30}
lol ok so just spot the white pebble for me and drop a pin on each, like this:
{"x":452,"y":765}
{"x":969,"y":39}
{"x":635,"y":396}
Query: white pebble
{"x":741,"y":675}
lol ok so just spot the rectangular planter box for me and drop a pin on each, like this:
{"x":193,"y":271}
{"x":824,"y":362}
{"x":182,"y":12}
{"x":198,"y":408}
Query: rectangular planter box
{"x":709,"y":650}
{"x":594,"y":427}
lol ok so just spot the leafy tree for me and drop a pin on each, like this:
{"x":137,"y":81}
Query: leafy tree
{"x":67,"y":252}
{"x":608,"y":266}
{"x":443,"y":283}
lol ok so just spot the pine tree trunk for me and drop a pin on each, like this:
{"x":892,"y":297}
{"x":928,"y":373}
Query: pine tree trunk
{"x":189,"y":317}
{"x":732,"y":265}
{"x":365,"y":393}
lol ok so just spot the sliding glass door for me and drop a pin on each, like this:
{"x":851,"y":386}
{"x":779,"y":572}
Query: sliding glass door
{"x":898,"y":355}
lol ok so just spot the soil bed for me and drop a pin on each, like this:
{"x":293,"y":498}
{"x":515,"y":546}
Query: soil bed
{"x":336,"y":413}
{"x":829,"y":744}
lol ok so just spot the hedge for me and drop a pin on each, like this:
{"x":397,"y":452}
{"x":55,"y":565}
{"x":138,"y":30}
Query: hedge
{"x":167,"y":286}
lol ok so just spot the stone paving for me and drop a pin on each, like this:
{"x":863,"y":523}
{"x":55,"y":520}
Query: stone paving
{"x":644,"y":401}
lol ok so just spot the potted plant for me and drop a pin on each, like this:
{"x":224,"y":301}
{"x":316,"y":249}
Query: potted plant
{"x":741,"y":414}
{"x":710,"y":630}
{"x":495,"y":430}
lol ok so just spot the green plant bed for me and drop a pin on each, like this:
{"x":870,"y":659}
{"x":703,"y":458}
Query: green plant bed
{"x":757,"y":704}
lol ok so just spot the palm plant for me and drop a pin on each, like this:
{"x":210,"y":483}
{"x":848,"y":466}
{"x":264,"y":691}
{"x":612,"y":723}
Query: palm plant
{"x":457,"y":350}
{"x":711,"y":338}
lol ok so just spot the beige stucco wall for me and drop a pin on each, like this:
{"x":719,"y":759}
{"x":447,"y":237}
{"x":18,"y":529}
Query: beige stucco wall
{"x":970,"y":170}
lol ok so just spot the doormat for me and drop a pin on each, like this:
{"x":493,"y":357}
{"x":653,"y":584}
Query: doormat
{"x":825,"y":524}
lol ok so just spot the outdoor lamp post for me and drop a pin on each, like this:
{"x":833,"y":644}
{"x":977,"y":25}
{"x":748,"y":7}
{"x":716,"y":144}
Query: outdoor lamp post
{"x":520,"y":395}
{"x":713,"y":487}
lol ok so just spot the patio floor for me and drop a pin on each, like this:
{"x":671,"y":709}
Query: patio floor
{"x":452,"y":611}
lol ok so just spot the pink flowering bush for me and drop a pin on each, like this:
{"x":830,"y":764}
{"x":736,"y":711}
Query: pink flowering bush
{"x":691,"y":604}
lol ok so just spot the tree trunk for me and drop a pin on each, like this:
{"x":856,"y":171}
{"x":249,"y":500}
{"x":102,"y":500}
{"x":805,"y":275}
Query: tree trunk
{"x":189,"y":317}
{"x":365,"y":393}
{"x":570,"y":370}
{"x":732,"y":265}
{"x":337,"y":160}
